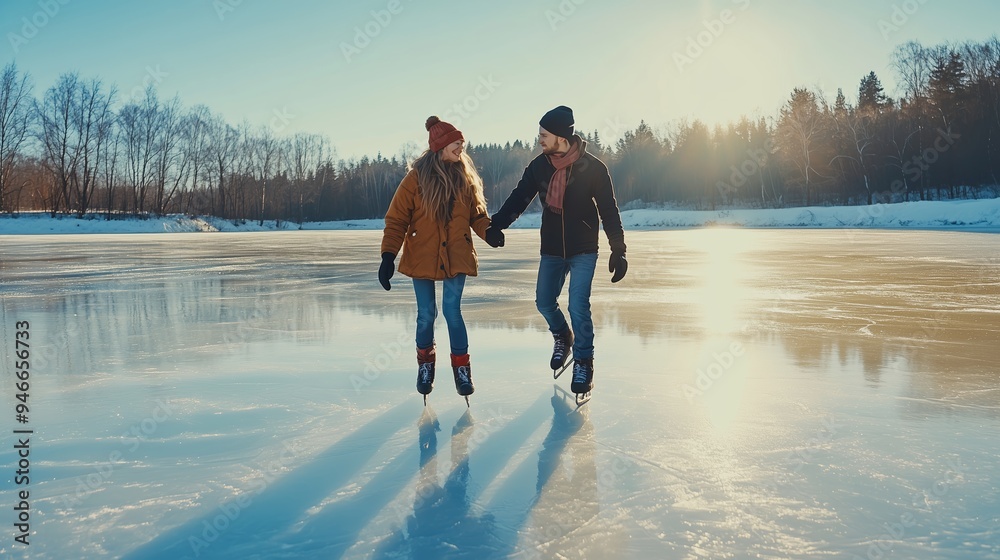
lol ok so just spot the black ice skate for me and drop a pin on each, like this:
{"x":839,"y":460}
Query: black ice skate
{"x":462,"y":370}
{"x":562,"y":350}
{"x":583,"y":379}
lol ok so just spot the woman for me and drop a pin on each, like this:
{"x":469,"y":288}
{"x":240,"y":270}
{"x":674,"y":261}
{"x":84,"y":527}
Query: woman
{"x":432,"y":215}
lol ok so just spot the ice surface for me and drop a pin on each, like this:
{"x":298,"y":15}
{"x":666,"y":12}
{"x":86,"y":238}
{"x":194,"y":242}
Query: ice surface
{"x":759,"y":394}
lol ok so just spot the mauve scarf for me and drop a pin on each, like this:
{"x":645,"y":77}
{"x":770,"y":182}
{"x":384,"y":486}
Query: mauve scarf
{"x":557,"y":185}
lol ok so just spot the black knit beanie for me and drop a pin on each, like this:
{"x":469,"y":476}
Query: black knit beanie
{"x":559,"y":121}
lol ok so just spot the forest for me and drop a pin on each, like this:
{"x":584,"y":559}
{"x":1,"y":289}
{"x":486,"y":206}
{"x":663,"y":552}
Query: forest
{"x":79,"y":147}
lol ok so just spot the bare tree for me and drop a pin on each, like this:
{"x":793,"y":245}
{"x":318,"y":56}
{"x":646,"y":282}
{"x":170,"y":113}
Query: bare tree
{"x":799,"y":133}
{"x":856,"y":130}
{"x":110,"y":168}
{"x":265,"y":158}
{"x":912,"y":63}
{"x":58,"y":137}
{"x":224,"y":141}
{"x":196,"y":143}
{"x":309,"y":155}
{"x":171,"y":164}
{"x":15,"y":123}
{"x":139,"y":123}
{"x":982,"y":66}
{"x":95,"y":122}
{"x":903,"y":133}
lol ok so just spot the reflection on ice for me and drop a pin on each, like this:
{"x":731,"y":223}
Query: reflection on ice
{"x":443,"y":521}
{"x":758,"y":393}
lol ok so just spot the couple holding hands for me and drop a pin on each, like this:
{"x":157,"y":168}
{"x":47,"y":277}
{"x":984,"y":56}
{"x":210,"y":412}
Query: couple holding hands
{"x":440,"y":202}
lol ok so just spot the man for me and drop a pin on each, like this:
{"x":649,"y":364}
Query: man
{"x":575,"y":190}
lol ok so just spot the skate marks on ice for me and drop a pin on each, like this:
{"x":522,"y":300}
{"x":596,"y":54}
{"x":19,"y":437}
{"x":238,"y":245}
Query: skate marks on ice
{"x":502,"y":504}
{"x":344,"y":502}
{"x":553,"y":506}
{"x":247,"y":522}
{"x":446,"y":520}
{"x":443,"y":522}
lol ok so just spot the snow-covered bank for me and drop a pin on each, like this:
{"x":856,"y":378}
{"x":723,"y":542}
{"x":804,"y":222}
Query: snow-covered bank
{"x":43,"y":223}
{"x":958,"y":214}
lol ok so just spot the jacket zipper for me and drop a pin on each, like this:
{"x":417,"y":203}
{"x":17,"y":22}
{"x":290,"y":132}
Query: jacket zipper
{"x":563,"y":217}
{"x":563,"y":214}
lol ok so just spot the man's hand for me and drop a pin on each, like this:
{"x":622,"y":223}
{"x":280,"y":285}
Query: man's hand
{"x":618,"y":266}
{"x":494,"y":237}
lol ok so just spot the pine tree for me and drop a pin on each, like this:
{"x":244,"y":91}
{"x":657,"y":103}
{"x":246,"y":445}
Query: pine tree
{"x":871,"y":95}
{"x":947,"y":85}
{"x":840,"y":105}
{"x":595,"y":142}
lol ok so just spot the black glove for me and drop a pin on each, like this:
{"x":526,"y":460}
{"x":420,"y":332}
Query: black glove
{"x":494,"y":237}
{"x":617,"y":265}
{"x":386,"y":270}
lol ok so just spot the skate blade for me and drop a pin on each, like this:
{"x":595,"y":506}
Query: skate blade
{"x":582,"y":398}
{"x":425,"y":400}
{"x":467,"y":405}
{"x":557,"y":372}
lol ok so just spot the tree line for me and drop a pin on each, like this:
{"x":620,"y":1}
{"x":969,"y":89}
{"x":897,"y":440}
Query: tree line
{"x":80,"y":148}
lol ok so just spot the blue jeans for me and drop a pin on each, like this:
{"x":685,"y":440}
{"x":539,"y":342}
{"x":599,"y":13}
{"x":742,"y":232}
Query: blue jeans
{"x":451,"y":307}
{"x":552,"y":272}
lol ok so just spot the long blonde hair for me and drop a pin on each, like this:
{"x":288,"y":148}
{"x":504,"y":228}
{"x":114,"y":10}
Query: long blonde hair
{"x":443,"y":183}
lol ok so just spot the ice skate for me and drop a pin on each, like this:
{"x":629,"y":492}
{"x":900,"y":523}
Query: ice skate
{"x":426,"y":359}
{"x":462,"y":370}
{"x":562,"y":351}
{"x":583,"y":379}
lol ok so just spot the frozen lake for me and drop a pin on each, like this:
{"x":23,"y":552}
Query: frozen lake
{"x":759,"y":394}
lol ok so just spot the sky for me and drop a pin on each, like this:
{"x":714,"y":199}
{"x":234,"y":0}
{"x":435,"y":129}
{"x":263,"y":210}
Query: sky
{"x":367,"y":74}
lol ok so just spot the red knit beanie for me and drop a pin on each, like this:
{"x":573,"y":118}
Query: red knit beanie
{"x":441,"y":133}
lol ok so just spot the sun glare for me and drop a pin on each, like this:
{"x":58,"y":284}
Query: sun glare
{"x":722,"y":278}
{"x":722,"y":293}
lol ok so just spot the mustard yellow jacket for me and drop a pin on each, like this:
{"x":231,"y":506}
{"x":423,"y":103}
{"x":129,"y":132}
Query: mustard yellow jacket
{"x":432,"y":250}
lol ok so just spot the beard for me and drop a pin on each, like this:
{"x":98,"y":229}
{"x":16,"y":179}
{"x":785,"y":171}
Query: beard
{"x":551,"y":150}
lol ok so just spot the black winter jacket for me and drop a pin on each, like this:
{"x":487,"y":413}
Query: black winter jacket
{"x":589,"y":192}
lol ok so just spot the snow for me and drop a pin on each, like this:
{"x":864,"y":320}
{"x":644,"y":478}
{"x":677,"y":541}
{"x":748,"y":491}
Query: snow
{"x":982,"y":214}
{"x":760,"y":393}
